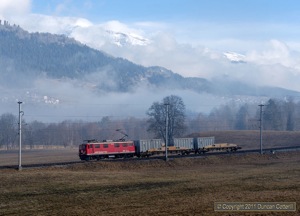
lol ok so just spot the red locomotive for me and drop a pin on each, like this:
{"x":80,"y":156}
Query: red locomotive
{"x":93,"y":149}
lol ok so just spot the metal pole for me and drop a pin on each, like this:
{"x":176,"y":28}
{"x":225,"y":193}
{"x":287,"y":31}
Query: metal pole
{"x":260,"y":127}
{"x":20,"y":136}
{"x":167,"y":133}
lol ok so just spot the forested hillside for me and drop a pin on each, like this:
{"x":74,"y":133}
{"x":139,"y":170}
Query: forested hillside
{"x":57,"y":56}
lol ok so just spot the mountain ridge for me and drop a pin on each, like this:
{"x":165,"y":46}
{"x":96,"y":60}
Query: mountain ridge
{"x":58,"y":56}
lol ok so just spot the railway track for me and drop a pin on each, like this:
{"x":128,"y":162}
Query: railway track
{"x":161,"y":157}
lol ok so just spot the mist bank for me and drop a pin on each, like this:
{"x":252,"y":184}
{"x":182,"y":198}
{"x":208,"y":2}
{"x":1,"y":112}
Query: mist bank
{"x":54,"y":101}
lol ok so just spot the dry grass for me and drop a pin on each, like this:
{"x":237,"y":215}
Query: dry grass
{"x":10,"y":158}
{"x":187,"y":186}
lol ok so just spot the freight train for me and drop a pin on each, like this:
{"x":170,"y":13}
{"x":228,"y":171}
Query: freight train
{"x":93,"y":149}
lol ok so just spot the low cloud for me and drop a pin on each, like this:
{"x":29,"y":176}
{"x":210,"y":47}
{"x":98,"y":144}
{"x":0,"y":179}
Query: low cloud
{"x":275,"y":52}
{"x":51,"y":100}
{"x":14,"y":8}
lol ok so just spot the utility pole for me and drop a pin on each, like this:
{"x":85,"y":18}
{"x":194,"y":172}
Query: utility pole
{"x":260,"y":127}
{"x":20,"y":135}
{"x":167,"y":132}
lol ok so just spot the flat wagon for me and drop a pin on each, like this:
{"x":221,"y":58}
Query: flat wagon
{"x":229,"y":147}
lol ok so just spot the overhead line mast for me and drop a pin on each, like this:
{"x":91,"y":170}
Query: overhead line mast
{"x":260,"y":127}
{"x":21,"y":113}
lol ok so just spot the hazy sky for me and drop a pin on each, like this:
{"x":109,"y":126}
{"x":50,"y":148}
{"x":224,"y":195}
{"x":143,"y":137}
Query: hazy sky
{"x":161,"y":10}
{"x":173,"y":10}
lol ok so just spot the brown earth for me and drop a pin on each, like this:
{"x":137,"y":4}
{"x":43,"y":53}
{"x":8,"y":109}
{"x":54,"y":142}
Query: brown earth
{"x":187,"y":186}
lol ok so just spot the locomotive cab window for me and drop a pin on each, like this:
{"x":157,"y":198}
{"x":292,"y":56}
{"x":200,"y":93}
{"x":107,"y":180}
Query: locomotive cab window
{"x":105,"y":146}
{"x":117,"y":145}
{"x":124,"y":144}
{"x":97,"y":145}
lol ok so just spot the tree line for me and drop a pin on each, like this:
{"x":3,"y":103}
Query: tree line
{"x":279,"y":115}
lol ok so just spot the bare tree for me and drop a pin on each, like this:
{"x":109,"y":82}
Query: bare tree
{"x":290,"y":112}
{"x":273,"y":119}
{"x":176,"y":118}
{"x":242,"y":118}
{"x":8,"y":130}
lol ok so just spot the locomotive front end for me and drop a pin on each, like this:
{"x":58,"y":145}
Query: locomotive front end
{"x":82,"y":151}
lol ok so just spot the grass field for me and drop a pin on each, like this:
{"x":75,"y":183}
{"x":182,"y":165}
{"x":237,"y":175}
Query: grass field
{"x":187,"y":186}
{"x":10,"y":158}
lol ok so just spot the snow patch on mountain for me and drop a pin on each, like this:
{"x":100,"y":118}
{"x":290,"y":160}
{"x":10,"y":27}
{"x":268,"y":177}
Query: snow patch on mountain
{"x":122,"y":35}
{"x":112,"y":32}
{"x":123,"y":39}
{"x":235,"y":57}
